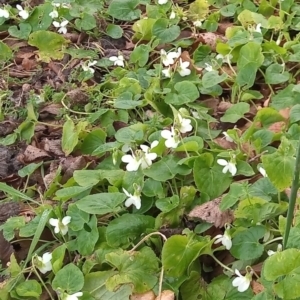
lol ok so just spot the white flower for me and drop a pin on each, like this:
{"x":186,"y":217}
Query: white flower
{"x":133,"y":162}
{"x":225,"y":58}
{"x":88,"y":67}
{"x":183,"y":69}
{"x":148,"y":156}
{"x":22,"y":12}
{"x":161,"y":2}
{"x":197,"y":23}
{"x":167,"y":72}
{"x":262,"y":171}
{"x":132,"y":200}
{"x":60,"y":226}
{"x":62,"y":27}
{"x":257,"y":28}
{"x":242,"y":282}
{"x":73,"y":296}
{"x":208,"y":67}
{"x":4,"y":13}
{"x":54,"y":14}
{"x":172,"y":139}
{"x":172,"y":15}
{"x":169,"y":58}
{"x":185,"y":124}
{"x":228,"y":166}
{"x":271,"y":252}
{"x":44,"y":262}
{"x":117,"y":60}
{"x":227,"y":137}
{"x":225,"y":239}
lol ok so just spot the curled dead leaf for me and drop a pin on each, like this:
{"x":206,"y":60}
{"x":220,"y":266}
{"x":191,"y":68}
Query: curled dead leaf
{"x":33,"y":154}
{"x":166,"y":295}
{"x":211,"y":213}
{"x":223,"y":106}
{"x":257,"y":287}
{"x":222,"y":142}
{"x":277,"y":127}
{"x":211,"y":39}
{"x":144,"y":296}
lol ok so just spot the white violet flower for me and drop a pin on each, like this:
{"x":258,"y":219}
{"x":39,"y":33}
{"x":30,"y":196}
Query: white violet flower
{"x":44,"y":262}
{"x":225,"y":239}
{"x":228,"y":166}
{"x":169,"y":58}
{"x":117,"y":60}
{"x":133,"y":199}
{"x":208,"y":67}
{"x":271,"y":252}
{"x":148,"y":156}
{"x":172,"y":138}
{"x":65,"y":5}
{"x":87,"y":67}
{"x":197,"y":23}
{"x":62,"y":27}
{"x":167,"y":72}
{"x":183,"y":69}
{"x":161,"y":2}
{"x":185,"y":124}
{"x":73,"y":296}
{"x":172,"y":15}
{"x":227,"y":137}
{"x":53,"y":14}
{"x":262,"y":171}
{"x":133,"y":162}
{"x":22,"y":12}
{"x":242,"y":282}
{"x":4,"y":13}
{"x":60,"y":226}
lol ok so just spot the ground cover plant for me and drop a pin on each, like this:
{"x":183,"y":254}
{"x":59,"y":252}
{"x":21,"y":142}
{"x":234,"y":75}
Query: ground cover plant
{"x":149,"y":149}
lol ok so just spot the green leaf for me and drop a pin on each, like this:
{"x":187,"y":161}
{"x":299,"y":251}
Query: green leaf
{"x":102,"y":203}
{"x":114,"y":31}
{"x":186,"y":92}
{"x":235,"y":112}
{"x":69,"y":279}
{"x":50,"y":44}
{"x":72,"y":192}
{"x":263,"y":188}
{"x":124,"y":10}
{"x":280,"y":165}
{"x":295,"y":114}
{"x":163,"y":32}
{"x":210,"y":180}
{"x":167,"y":204}
{"x":212,"y":78}
{"x":275,"y":75}
{"x":29,"y":288}
{"x":13,"y":192}
{"x":29,"y":169}
{"x":166,"y":169}
{"x":94,"y":283}
{"x":250,"y":53}
{"x":268,"y":116}
{"x":22,"y":33}
{"x":140,"y":55}
{"x":58,"y":255}
{"x":79,"y":217}
{"x":245,"y":244}
{"x":92,"y":141}
{"x":180,"y":251}
{"x":138,"y":268}
{"x":87,"y":22}
{"x":283,"y":268}
{"x":69,"y":137}
{"x":237,"y":190}
{"x":127,"y":228}
{"x":11,"y":225}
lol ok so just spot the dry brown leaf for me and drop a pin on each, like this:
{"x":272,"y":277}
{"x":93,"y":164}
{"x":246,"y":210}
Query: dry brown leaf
{"x":166,"y":295}
{"x":222,"y":142}
{"x":211,"y":213}
{"x":223,"y":106}
{"x":52,"y":109}
{"x":33,"y":154}
{"x":257,"y":287}
{"x":77,"y":96}
{"x":277,"y":127}
{"x":223,"y":27}
{"x":145,"y":296}
{"x":52,"y":146}
{"x":285,"y":112}
{"x":211,"y":39}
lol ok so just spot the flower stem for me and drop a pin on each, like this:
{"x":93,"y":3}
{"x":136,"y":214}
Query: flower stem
{"x":273,"y":240}
{"x":221,"y":264}
{"x":293,"y":197}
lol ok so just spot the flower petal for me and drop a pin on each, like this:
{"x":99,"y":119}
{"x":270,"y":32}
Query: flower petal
{"x":126,"y":193}
{"x":127,"y":158}
{"x":222,"y":162}
{"x":53,"y":222}
{"x":166,"y":134}
{"x":66,"y":220}
{"x":47,"y":256}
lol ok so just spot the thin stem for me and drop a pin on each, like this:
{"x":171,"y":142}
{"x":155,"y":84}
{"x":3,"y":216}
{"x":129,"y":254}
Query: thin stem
{"x":273,"y":240}
{"x":221,"y":264}
{"x":293,"y":197}
{"x":146,"y":237}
